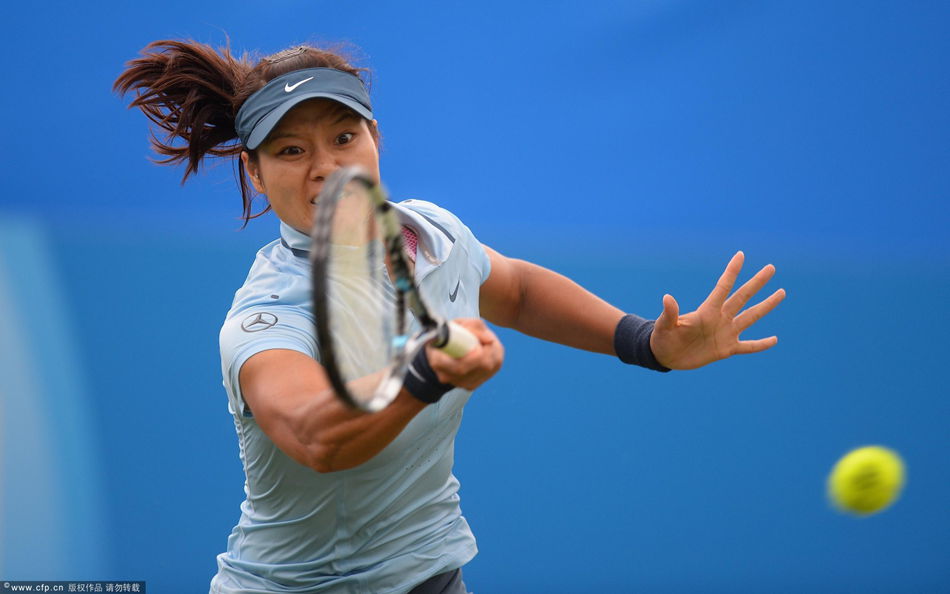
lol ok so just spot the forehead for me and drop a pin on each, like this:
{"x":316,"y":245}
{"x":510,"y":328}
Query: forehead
{"x":316,"y":111}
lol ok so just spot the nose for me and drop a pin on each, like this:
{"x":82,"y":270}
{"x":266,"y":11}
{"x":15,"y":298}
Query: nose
{"x":322,"y":165}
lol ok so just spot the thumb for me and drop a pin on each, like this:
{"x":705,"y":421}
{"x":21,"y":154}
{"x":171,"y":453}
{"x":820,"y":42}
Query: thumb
{"x":670,"y":315}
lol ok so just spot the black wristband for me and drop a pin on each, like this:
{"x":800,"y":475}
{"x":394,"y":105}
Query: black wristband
{"x":632,"y":342}
{"x":422,"y":382}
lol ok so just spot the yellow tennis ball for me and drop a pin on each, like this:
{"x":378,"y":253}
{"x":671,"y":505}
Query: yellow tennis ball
{"x":866,"y":480}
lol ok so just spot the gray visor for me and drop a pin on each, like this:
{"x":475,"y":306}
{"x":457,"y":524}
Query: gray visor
{"x":262,"y":110}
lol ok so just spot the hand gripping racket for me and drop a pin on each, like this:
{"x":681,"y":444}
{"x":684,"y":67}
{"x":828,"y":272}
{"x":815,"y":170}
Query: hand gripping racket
{"x":363,"y":289}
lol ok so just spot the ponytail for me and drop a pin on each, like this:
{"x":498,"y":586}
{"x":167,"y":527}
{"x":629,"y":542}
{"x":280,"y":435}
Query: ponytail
{"x":192,"y":93}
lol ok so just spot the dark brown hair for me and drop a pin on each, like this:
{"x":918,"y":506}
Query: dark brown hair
{"x":192,"y":93}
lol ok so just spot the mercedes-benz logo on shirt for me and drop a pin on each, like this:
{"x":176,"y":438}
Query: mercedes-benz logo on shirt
{"x":259,"y":321}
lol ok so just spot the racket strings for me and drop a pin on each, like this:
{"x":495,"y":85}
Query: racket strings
{"x":369,"y":314}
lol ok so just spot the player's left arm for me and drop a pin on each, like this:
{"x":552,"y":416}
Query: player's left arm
{"x":547,"y":305}
{"x":542,"y":303}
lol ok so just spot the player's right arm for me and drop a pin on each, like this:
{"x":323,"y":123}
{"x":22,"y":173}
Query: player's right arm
{"x":292,"y":401}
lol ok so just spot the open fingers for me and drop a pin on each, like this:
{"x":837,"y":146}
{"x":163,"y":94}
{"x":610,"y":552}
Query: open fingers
{"x":734,"y":304}
{"x":746,"y":347}
{"x":758,"y":311}
{"x":725,"y":283}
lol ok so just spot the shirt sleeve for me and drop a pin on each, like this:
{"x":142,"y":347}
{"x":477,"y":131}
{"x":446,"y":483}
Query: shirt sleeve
{"x":480,"y":259}
{"x":475,"y":250}
{"x":257,"y":329}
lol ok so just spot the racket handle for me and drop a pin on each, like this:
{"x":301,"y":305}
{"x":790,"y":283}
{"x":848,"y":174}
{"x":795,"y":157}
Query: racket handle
{"x":457,"y":342}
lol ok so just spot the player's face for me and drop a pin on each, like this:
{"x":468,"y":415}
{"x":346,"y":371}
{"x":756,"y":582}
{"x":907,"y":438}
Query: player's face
{"x":313,"y":140}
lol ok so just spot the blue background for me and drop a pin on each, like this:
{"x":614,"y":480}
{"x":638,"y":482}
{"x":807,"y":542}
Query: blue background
{"x":633,"y":146}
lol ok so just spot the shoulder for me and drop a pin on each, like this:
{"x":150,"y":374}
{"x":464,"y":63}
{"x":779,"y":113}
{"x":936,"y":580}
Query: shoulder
{"x":277,"y":278}
{"x":273,"y":308}
{"x":424,"y":206}
{"x":441,"y":218}
{"x":447,"y":234}
{"x":443,"y":226}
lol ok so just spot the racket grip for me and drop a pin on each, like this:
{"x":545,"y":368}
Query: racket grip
{"x":458,"y":341}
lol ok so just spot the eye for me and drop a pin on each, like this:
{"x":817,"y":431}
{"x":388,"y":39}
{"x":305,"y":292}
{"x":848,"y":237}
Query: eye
{"x":345,"y":138}
{"x":290,"y":150}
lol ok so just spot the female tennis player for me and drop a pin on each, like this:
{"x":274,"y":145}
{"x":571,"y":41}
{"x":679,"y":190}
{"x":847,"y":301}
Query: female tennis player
{"x":340,"y":500}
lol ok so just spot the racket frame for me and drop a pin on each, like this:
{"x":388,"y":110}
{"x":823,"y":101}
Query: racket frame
{"x":407,"y":298}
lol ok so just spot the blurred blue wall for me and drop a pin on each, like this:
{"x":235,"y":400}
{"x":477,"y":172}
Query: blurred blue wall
{"x":631,"y":146}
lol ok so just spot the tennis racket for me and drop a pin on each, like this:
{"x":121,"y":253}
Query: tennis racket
{"x":370,"y":319}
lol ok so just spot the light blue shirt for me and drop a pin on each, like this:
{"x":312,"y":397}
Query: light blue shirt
{"x":383,"y":526}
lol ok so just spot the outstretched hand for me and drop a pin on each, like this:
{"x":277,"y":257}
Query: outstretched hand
{"x":712,"y":332}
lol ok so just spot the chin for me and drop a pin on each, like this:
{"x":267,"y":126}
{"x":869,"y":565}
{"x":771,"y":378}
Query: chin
{"x":305,"y":225}
{"x":307,"y":214}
